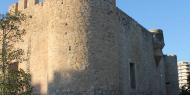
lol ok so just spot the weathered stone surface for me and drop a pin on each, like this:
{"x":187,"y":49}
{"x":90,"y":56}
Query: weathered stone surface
{"x":172,"y":85}
{"x":85,"y":47}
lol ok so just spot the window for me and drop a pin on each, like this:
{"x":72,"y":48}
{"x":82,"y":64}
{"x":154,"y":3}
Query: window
{"x":132,"y":76}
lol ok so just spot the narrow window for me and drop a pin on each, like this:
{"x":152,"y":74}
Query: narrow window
{"x":132,"y":76}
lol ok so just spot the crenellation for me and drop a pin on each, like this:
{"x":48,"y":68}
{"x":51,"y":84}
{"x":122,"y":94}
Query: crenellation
{"x":22,"y":4}
{"x":13,"y":7}
{"x":32,"y":3}
{"x":16,"y":7}
{"x":25,"y":5}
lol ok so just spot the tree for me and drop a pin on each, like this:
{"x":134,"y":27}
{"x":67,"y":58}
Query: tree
{"x":185,"y":90}
{"x":12,"y":80}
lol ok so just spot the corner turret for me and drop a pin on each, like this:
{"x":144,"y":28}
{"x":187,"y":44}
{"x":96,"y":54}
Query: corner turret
{"x":158,"y":43}
{"x":158,"y":38}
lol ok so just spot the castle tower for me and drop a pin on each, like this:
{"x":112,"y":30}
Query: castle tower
{"x":90,"y":47}
{"x":72,"y":46}
{"x":82,"y":47}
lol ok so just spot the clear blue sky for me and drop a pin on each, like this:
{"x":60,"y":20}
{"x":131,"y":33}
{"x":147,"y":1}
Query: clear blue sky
{"x":173,"y":16}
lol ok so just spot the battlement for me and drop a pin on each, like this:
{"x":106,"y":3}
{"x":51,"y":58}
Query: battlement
{"x":29,"y":4}
{"x":13,"y":7}
{"x":25,"y":4}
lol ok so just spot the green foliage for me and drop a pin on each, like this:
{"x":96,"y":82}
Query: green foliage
{"x":17,"y":82}
{"x":12,"y":80}
{"x":185,"y":90}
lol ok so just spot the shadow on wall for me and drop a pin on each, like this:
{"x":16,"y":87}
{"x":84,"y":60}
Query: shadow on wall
{"x":82,"y":82}
{"x":65,"y":83}
{"x":37,"y":90}
{"x":68,"y":83}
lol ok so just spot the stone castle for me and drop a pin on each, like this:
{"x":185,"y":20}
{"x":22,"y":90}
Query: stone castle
{"x":91,"y":47}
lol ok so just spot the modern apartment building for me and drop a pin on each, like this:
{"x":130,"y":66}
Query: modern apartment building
{"x":183,"y":72}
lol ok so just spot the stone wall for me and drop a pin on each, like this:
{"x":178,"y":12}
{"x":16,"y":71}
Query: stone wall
{"x":72,"y":46}
{"x":172,"y":85}
{"x":85,"y":47}
{"x":82,"y":48}
{"x":35,"y":43}
{"x":136,"y":46}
